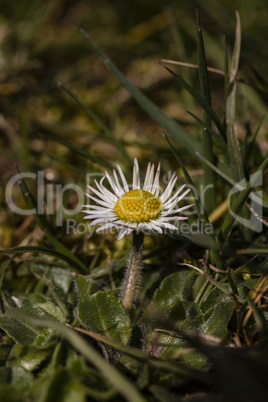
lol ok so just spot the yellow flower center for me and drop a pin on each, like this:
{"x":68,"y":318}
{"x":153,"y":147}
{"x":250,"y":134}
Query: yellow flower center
{"x":137,"y":206}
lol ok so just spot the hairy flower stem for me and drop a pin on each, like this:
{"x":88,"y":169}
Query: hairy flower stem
{"x":133,"y":270}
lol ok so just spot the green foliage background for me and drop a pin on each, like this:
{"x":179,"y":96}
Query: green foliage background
{"x":81,"y":90}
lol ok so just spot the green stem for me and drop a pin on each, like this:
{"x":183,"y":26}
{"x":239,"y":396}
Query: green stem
{"x":133,"y":270}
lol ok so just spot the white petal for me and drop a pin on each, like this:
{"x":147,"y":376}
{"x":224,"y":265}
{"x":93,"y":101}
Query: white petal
{"x":101,"y":195}
{"x":106,"y":192}
{"x":117,"y":183}
{"x":167,"y":225}
{"x":132,"y":226}
{"x":149,"y":178}
{"x":97,"y":208}
{"x":103,"y":216}
{"x":136,"y":175}
{"x":155,"y":189}
{"x":171,"y":218}
{"x":170,"y":206}
{"x":124,"y":232}
{"x":125,"y":185}
{"x":175,"y":196}
{"x":112,"y":184}
{"x":176,"y":211}
{"x":153,"y":227}
{"x":184,"y":194}
{"x":101,"y":220}
{"x":169,"y":188}
{"x":106,"y":226}
{"x":103,"y":203}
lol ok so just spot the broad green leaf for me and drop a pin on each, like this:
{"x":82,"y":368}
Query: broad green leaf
{"x":217,"y":318}
{"x":171,"y":288}
{"x":214,"y":297}
{"x":24,"y":333}
{"x":5,"y":352}
{"x":5,"y":375}
{"x":17,"y":330}
{"x":85,"y":287}
{"x":105,"y":314}
{"x":192,"y":325}
{"x":82,"y":286}
{"x":157,"y":325}
{"x":162,"y":326}
{"x":62,"y":387}
{"x":21,"y":379}
{"x":187,"y":293}
{"x":50,"y":310}
{"x":27,"y":357}
{"x":61,"y":278}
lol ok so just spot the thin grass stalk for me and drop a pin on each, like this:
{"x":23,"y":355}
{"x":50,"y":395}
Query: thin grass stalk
{"x":99,"y":122}
{"x":207,"y":146}
{"x":170,"y":125}
{"x":234,"y":151}
{"x":200,"y":209}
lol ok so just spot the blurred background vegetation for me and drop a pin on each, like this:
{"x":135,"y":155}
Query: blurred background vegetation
{"x":41,"y":45}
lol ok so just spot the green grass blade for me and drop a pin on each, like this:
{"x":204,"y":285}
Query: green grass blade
{"x":25,"y":149}
{"x":44,"y":225}
{"x":99,"y":122}
{"x":253,"y":137}
{"x":69,"y":166}
{"x":200,"y":208}
{"x":32,"y":204}
{"x":257,"y":251}
{"x":200,"y":239}
{"x":79,"y":151}
{"x":199,"y":99}
{"x":247,"y":127}
{"x":168,"y":124}
{"x":232,"y":182}
{"x":64,"y":250}
{"x":240,"y":201}
{"x":214,"y":282}
{"x":260,"y":320}
{"x":232,"y":140}
{"x":207,"y":148}
{"x":42,"y":250}
{"x":213,"y":133}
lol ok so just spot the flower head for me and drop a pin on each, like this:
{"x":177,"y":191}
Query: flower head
{"x":138,"y":208}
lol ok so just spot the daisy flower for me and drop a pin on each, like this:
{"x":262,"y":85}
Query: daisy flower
{"x":135,"y":208}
